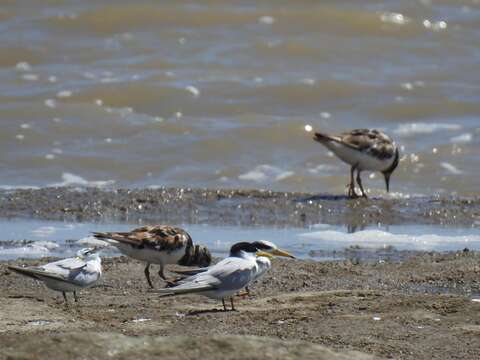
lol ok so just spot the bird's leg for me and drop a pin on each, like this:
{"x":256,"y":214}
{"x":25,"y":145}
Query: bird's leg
{"x":231,"y":302}
{"x":359,"y":182}
{"x":147,"y":275}
{"x":65,"y":297}
{"x":351,"y":188}
{"x":161,"y":273}
{"x":224,"y":306}
{"x":75,"y":296}
{"x":170,"y":283}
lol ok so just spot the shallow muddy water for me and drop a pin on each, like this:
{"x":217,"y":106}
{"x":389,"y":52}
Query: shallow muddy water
{"x":37,"y":238}
{"x":216,"y":94}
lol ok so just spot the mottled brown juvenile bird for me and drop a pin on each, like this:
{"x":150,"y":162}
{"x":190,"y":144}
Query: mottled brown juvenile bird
{"x":363,"y":149}
{"x":160,"y":244}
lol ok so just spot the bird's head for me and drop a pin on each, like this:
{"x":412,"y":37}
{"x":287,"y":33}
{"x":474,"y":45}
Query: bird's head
{"x":196,"y":255}
{"x":258,"y":248}
{"x":90,"y":253}
{"x":202,"y":256}
{"x":271,"y":248}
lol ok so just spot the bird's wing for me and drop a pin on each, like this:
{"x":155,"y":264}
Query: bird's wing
{"x":38,"y":273}
{"x":190,"y":272}
{"x":365,"y":139}
{"x":326,"y":138}
{"x":64,"y":266}
{"x":230,"y":273}
{"x":159,"y":237}
{"x":67,"y":268}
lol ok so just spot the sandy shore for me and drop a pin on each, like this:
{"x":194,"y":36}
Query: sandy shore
{"x":421,"y":308}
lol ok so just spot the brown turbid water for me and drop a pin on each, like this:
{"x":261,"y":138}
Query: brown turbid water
{"x":217,"y":93}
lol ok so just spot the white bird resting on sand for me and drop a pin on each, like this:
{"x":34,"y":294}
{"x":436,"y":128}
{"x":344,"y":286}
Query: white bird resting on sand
{"x":263,"y":262}
{"x":67,"y":275}
{"x":225,"y":278}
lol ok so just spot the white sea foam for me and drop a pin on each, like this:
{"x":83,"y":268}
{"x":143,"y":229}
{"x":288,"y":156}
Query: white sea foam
{"x":378,"y":239}
{"x":51,"y":103}
{"x":267,"y":20}
{"x":394,"y":18}
{"x":49,"y":245}
{"x":23,"y":66}
{"x":323,"y":169}
{"x":308,"y":81}
{"x":91,"y":241}
{"x":193,"y":90}
{"x":412,"y":129}
{"x":36,"y":249}
{"x":18,"y":187}
{"x":75,"y":180}
{"x":64,"y":94}
{"x":462,"y":139}
{"x":263,"y":173}
{"x":30,"y":77}
{"x":452,"y":169}
{"x":44,"y":231}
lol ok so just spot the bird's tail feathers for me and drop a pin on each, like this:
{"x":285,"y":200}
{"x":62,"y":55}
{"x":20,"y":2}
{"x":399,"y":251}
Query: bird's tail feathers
{"x":23,"y":271}
{"x":183,"y":290}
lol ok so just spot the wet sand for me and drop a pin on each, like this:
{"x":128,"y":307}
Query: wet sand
{"x":420,"y":308}
{"x":234,"y":207}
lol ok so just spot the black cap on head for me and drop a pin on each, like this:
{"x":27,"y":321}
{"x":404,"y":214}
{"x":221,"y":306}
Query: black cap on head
{"x":243,"y":246}
{"x":263,"y":245}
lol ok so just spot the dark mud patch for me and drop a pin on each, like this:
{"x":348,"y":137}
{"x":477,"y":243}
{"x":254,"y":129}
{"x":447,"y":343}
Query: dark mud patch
{"x":233,"y":207}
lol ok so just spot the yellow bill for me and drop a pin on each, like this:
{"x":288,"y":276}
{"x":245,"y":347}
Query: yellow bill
{"x":280,"y":252}
{"x":263,"y":253}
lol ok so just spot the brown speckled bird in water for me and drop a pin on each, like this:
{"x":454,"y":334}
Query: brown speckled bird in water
{"x":160,"y":244}
{"x":363,"y":149}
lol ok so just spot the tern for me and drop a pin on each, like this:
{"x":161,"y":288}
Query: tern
{"x":160,"y":244}
{"x":363,"y":149}
{"x":223,"y":279}
{"x":67,"y":275}
{"x":263,"y":262}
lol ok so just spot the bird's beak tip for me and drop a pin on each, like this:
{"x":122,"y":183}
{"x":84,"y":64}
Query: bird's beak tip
{"x":279,"y":252}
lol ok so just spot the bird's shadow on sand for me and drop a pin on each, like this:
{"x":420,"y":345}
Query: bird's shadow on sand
{"x":207,"y":311}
